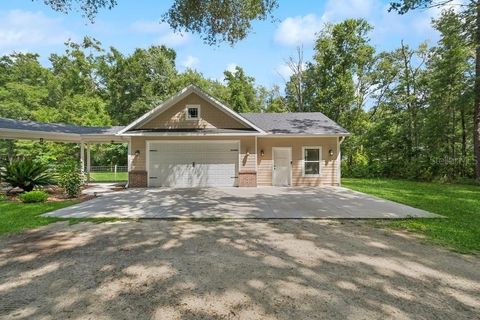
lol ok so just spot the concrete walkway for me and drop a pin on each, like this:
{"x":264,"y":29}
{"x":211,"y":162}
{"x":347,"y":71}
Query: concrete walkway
{"x":260,"y":203}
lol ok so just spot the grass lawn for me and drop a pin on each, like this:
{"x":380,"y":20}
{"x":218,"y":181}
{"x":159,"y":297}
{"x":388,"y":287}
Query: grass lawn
{"x":17,"y":216}
{"x":108,"y":176}
{"x":459,"y":203}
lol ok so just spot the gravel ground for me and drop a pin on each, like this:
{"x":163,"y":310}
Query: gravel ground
{"x":288,"y":269}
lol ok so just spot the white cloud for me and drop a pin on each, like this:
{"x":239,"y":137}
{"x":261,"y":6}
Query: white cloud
{"x":298,"y":30}
{"x":174,"y":39}
{"x":165,"y":34}
{"x":284,"y":71}
{"x":387,"y":25}
{"x":190,"y":62}
{"x":232,"y":67}
{"x":23,"y":30}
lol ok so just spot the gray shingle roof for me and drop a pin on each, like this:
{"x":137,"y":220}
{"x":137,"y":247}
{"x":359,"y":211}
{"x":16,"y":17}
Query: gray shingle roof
{"x":55,"y":127}
{"x":295,"y":123}
{"x":314,"y":123}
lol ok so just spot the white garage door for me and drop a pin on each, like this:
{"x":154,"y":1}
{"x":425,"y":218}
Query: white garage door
{"x":193,"y":164}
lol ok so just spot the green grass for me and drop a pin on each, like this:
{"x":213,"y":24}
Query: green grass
{"x":16,"y":216}
{"x":108,"y":176}
{"x":458,"y":202}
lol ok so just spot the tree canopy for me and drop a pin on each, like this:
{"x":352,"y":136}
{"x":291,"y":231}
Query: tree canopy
{"x":214,"y":20}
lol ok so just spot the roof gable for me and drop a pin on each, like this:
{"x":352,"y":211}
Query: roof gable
{"x":142,"y":122}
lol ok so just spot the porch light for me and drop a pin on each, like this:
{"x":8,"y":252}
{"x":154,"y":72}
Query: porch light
{"x":137,"y":153}
{"x":262,"y":153}
{"x":330,"y":152}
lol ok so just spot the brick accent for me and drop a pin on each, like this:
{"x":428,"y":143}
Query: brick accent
{"x":247,"y":179}
{"x":137,"y":179}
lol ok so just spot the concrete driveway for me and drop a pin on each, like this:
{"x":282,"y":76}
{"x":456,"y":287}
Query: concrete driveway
{"x":260,"y":203}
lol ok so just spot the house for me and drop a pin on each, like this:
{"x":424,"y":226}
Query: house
{"x":194,"y":140}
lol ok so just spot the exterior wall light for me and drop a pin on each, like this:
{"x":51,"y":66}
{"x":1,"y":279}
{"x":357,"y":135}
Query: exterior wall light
{"x":262,"y":153}
{"x":330,"y":152}
{"x":137,"y":153}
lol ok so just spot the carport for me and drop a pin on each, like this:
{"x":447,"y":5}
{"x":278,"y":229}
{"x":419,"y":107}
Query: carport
{"x":85,"y":136}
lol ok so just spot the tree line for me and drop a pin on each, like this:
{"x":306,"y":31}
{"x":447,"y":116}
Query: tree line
{"x":409,"y":110}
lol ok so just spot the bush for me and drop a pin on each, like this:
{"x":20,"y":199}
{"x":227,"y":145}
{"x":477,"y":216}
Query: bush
{"x":33,"y":196}
{"x":70,"y":178}
{"x":3,"y":197}
{"x":25,"y":174}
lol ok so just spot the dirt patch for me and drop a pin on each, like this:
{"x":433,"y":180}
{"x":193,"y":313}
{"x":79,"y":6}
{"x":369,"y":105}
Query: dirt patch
{"x":289,"y":269}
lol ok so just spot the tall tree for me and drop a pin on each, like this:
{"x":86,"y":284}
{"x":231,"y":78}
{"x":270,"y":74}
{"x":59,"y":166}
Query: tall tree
{"x":242,"y":94}
{"x":471,"y":12}
{"x":135,"y":83}
{"x":295,"y":86}
{"x":451,"y":93}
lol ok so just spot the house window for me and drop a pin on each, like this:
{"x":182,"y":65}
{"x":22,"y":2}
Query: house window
{"x":193,"y":112}
{"x":311,"y":161}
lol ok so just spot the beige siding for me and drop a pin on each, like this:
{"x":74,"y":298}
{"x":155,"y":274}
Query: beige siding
{"x":247,"y":144}
{"x":329,"y":168}
{"x":210,"y":117}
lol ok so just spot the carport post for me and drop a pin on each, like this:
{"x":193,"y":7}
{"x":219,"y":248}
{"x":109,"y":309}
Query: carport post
{"x":88,"y":163}
{"x":82,"y":157}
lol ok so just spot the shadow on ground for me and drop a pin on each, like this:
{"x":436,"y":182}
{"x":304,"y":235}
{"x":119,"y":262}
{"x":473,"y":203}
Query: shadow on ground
{"x":264,"y":203}
{"x":284,"y":269}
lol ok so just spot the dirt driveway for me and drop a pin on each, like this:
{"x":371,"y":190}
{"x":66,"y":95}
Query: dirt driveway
{"x":305,"y":269}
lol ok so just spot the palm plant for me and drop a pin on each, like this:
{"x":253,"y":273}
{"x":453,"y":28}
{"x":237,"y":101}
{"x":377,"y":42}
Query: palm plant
{"x":25,"y":174}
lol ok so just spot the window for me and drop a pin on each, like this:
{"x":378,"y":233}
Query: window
{"x":193,"y":112}
{"x":311,"y":161}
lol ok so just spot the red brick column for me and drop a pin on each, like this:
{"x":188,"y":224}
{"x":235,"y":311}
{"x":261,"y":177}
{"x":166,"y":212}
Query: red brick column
{"x":137,"y":179}
{"x":247,"y":179}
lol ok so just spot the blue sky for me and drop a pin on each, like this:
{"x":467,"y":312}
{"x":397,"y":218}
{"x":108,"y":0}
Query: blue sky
{"x":34,"y":27}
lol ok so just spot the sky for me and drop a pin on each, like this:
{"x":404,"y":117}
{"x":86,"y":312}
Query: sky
{"x":31,"y":26}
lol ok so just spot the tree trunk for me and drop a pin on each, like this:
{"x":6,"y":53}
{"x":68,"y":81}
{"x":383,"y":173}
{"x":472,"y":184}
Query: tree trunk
{"x":476,"y":130}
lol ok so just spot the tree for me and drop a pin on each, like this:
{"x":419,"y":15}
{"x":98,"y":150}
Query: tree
{"x":471,"y":13}
{"x":242,"y":94}
{"x":215,"y":20}
{"x":135,"y":84}
{"x":451,"y":94}
{"x":295,"y":86}
{"x":89,"y":8}
{"x":341,"y":51}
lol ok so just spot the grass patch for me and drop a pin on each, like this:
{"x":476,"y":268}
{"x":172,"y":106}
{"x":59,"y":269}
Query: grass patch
{"x":460,"y":203}
{"x":16,"y":216}
{"x":108,"y":176}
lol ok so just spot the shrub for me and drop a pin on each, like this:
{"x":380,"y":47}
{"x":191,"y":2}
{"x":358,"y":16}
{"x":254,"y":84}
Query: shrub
{"x":26,"y":174}
{"x":33,"y":196}
{"x":3,"y":197}
{"x":70,"y":178}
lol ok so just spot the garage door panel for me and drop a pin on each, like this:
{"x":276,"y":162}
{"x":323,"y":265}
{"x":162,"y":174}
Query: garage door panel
{"x":193,"y":164}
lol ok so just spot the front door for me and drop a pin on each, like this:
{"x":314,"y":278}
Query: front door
{"x":282,"y":159}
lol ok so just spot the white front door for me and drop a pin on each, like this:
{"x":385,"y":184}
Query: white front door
{"x":282,"y":167}
{"x":193,"y":163}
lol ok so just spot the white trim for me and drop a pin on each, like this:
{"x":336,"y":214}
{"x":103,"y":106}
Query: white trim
{"x":286,"y":135}
{"x":176,"y":98}
{"x":290,"y":167}
{"x":20,"y":134}
{"x":192,"y":106}
{"x":319,"y":161}
{"x":182,"y":134}
{"x":147,"y":151}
